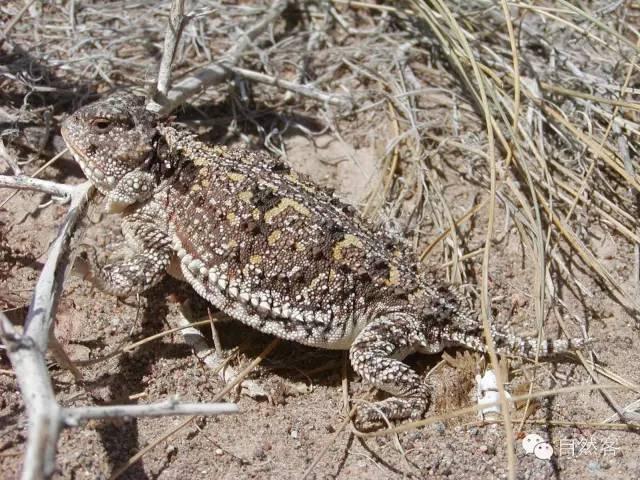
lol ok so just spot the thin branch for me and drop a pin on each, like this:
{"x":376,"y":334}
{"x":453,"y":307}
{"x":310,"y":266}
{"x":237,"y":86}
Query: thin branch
{"x":215,"y":73}
{"x":73,"y":417}
{"x":49,"y":286}
{"x":43,"y":411}
{"x":305,"y":90}
{"x":171,"y":39}
{"x":36,"y":173}
{"x":23,"y":182}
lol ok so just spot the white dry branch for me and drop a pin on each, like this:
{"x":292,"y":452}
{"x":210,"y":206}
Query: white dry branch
{"x":23,"y":182}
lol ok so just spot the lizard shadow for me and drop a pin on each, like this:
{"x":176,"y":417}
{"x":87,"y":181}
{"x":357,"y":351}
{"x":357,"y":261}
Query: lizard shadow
{"x":291,"y":362}
{"x":256,"y":121}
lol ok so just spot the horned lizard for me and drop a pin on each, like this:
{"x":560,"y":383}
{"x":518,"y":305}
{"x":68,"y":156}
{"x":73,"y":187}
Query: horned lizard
{"x":271,"y":249}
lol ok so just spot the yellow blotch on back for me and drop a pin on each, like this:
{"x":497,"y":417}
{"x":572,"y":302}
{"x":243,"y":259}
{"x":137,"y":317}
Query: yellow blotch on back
{"x":348,"y":241}
{"x":245,"y":196}
{"x":201,"y":161}
{"x":332,"y":275}
{"x":293,"y":177}
{"x":236,"y":177}
{"x":394,"y":276}
{"x":282,"y":206}
{"x":274,"y":237}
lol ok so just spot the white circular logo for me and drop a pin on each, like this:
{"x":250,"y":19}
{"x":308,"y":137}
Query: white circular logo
{"x":530,"y":441}
{"x":543,"y":451}
{"x":534,"y":443}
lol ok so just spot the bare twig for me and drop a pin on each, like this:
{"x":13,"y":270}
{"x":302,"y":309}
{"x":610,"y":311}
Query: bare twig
{"x":50,"y":282}
{"x":22,"y":182}
{"x":35,"y":174}
{"x":171,"y":39}
{"x":305,"y":90}
{"x":73,"y":417}
{"x":215,"y":73}
{"x":43,"y":411}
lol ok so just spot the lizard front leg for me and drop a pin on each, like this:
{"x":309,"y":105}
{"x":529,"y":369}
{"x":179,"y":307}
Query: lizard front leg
{"x":136,"y":186}
{"x":141,"y":271}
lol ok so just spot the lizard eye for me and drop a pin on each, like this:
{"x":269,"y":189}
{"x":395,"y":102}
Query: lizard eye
{"x":102,"y":125}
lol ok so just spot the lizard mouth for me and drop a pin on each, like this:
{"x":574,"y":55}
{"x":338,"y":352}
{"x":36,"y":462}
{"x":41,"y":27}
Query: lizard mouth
{"x":101,"y":181}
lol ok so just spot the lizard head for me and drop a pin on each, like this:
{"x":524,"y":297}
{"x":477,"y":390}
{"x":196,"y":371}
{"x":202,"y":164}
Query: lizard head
{"x":110,"y":138}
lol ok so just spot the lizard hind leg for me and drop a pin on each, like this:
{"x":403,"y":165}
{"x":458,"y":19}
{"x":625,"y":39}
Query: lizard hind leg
{"x":377,"y":355}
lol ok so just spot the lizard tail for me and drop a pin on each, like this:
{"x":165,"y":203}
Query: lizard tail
{"x":513,"y":345}
{"x":529,"y":347}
